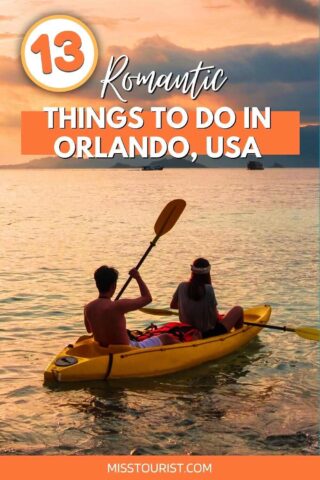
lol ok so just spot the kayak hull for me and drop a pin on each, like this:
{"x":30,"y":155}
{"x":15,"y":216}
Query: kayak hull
{"x":87,"y":360}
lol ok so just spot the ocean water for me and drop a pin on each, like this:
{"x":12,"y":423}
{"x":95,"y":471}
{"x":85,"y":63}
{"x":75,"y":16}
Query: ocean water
{"x":260,"y":232}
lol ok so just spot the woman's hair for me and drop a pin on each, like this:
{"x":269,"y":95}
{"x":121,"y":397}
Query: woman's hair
{"x":197,"y":282}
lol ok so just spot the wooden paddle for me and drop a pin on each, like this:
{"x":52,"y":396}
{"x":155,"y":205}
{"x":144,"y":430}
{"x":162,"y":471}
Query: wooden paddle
{"x":309,"y":333}
{"x":166,"y":220}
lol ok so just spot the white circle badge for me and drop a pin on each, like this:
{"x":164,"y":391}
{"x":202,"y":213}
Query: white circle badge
{"x":59,"y":53}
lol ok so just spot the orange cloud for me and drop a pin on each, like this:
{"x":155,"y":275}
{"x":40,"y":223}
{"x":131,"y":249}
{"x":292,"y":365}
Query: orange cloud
{"x":7,"y":35}
{"x":212,"y":5}
{"x":110,"y":22}
{"x":4,"y":18}
{"x":9,"y":120}
{"x":10,"y":71}
{"x":261,"y":75}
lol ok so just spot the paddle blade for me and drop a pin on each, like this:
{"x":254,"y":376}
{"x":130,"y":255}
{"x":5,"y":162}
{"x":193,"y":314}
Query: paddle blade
{"x":309,"y":333}
{"x":169,"y":216}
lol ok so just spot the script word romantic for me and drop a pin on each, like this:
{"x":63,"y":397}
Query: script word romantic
{"x":192,"y":82}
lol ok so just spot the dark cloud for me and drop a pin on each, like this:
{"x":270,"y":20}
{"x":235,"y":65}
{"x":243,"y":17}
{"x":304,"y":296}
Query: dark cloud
{"x":303,"y":10}
{"x":287,"y":63}
{"x":280,"y":76}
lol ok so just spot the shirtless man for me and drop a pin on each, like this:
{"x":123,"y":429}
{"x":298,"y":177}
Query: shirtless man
{"x":105,"y":318}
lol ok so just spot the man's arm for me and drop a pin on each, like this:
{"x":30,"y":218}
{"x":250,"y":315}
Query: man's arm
{"x":127,"y":305}
{"x":213,"y":300}
{"x":86,"y":321}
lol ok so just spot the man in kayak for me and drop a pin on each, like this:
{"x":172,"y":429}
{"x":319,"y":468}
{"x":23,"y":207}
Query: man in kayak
{"x":105,"y":318}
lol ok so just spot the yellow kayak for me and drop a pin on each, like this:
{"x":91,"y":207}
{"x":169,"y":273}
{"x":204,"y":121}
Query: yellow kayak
{"x":87,"y":360}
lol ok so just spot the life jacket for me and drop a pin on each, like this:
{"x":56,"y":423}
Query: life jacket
{"x":182,"y":331}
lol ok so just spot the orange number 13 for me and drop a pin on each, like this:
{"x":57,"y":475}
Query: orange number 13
{"x":42,"y":46}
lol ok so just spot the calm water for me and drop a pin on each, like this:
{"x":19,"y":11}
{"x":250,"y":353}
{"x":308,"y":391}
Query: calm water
{"x":260,"y":232}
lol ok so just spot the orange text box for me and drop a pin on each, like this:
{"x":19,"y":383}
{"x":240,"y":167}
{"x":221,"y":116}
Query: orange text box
{"x":283,"y":138}
{"x":222,"y":468}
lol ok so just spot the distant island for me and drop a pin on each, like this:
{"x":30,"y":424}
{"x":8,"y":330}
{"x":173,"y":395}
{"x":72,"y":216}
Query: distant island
{"x":70,"y":163}
{"x":308,"y":158}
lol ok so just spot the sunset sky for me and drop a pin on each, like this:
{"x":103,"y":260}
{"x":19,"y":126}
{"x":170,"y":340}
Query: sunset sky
{"x":268,"y":49}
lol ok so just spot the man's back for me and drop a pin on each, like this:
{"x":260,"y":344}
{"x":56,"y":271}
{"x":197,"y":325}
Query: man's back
{"x":106,"y":318}
{"x":106,"y":321}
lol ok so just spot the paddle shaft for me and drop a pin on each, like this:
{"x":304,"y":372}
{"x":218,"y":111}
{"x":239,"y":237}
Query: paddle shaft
{"x":142,"y":259}
{"x":307,"y":333}
{"x":274,"y":327}
{"x":166,"y":220}
{"x":163,"y":311}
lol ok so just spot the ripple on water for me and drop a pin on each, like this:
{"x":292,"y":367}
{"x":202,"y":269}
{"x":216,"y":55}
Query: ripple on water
{"x":18,"y":298}
{"x":305,"y":442}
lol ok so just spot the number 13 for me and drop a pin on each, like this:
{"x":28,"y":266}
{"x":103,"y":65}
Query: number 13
{"x":42,"y":46}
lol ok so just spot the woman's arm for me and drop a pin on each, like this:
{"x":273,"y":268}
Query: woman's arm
{"x":174,"y":302}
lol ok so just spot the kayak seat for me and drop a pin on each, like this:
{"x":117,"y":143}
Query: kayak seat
{"x":92,"y":349}
{"x":252,"y":318}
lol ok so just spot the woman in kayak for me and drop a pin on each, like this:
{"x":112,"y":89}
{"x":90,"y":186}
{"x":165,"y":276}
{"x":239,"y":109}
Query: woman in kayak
{"x":197,"y":303}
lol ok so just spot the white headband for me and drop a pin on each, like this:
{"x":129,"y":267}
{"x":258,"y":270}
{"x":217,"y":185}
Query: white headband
{"x":200,"y":270}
